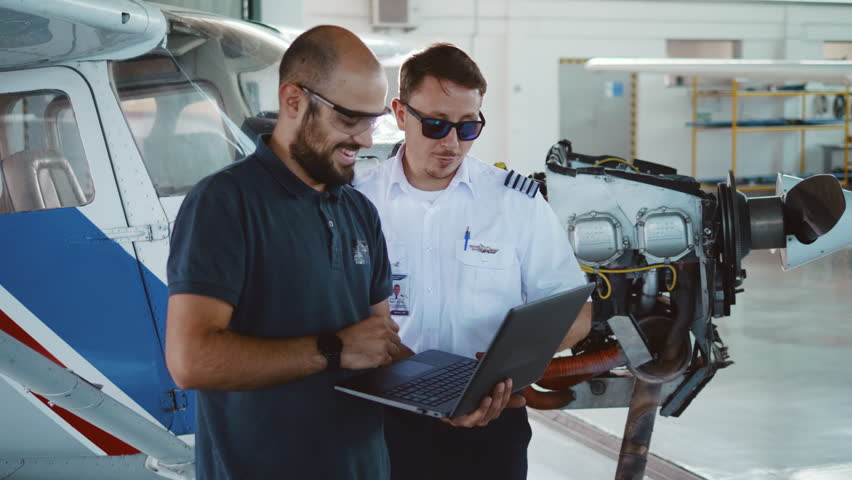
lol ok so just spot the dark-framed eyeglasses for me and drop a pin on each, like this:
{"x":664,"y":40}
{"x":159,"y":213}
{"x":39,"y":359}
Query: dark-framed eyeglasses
{"x":350,"y":122}
{"x":436,"y":128}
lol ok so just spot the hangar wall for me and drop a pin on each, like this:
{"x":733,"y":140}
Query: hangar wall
{"x":518,"y":44}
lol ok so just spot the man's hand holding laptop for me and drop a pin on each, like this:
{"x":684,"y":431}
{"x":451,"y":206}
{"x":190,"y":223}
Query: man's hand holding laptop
{"x":491,"y":407}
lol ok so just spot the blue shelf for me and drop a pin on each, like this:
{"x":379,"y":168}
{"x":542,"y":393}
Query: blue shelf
{"x":764,"y":179}
{"x":771,"y":122}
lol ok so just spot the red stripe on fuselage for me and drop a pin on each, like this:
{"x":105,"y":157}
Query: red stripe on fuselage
{"x":13,"y":329}
{"x":104,"y":440}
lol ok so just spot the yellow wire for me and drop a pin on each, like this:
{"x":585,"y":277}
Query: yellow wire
{"x":608,"y":287}
{"x":674,"y":278}
{"x":601,"y":271}
{"x":613,"y":159}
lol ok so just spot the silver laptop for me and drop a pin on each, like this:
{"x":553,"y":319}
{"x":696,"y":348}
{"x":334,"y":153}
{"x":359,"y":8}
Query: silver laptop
{"x":445,"y":385}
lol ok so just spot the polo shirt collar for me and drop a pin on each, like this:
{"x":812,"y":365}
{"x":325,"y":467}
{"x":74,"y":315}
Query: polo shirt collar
{"x":399,"y":183}
{"x":293,"y":184}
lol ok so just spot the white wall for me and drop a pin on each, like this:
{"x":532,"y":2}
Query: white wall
{"x":288,"y":13}
{"x":518,"y":44}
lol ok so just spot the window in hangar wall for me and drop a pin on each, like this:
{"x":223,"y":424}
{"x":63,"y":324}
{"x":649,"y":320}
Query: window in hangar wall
{"x":596,"y":110}
{"x":699,"y":49}
{"x":837,"y":50}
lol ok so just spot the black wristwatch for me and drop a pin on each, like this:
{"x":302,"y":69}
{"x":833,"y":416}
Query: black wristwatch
{"x":330,"y":346}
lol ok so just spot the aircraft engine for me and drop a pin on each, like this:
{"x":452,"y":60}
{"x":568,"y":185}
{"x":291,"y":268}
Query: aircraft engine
{"x":667,"y":257}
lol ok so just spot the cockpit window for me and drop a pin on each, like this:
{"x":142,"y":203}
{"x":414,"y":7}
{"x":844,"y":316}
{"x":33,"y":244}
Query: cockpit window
{"x":42,"y":161}
{"x":190,"y":105}
{"x":198,"y":103}
{"x":180,"y":133}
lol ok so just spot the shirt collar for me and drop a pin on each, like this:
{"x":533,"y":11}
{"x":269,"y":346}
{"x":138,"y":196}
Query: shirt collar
{"x":293,"y":184}
{"x":399,"y":183}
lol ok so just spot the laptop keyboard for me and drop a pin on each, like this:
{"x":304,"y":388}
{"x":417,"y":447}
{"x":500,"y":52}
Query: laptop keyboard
{"x":437,"y":387}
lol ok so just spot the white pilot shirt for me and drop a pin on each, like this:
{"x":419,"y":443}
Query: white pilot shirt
{"x":458,"y":297}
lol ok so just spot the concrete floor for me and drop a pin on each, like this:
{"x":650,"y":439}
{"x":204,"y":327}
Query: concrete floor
{"x":782,"y":411}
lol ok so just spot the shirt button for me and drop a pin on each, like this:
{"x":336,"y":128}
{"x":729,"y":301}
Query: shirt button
{"x":429,"y":290}
{"x":330,"y":224}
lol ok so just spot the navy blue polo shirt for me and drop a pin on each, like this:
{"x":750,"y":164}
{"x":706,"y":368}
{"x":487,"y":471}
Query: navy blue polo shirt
{"x":293,"y":262}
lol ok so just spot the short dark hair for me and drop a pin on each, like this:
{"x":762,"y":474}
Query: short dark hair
{"x":443,"y":61}
{"x":309,"y":60}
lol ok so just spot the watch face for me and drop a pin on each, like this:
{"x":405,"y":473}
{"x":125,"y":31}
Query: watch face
{"x":329,"y":343}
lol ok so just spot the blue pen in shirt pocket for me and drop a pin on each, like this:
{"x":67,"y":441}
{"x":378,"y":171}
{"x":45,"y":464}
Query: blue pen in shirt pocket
{"x":466,"y":237}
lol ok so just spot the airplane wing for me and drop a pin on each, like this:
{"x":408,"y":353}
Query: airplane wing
{"x":44,"y":32}
{"x":829,"y":71}
{"x":59,"y":386}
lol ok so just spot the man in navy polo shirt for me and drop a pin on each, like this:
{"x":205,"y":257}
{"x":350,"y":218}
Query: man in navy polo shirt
{"x":279,"y":279}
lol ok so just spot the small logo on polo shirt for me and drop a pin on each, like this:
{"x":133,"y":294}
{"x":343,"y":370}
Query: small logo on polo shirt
{"x":360,"y":252}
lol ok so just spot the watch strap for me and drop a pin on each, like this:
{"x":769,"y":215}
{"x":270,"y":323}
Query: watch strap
{"x":330,"y":346}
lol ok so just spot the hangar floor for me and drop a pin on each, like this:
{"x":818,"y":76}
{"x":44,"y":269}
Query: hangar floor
{"x":782,"y":411}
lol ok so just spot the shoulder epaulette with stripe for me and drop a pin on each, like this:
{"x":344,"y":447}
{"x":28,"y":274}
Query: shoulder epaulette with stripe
{"x":523,"y":184}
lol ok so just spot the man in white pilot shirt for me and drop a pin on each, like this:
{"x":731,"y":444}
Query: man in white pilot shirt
{"x":467,"y":247}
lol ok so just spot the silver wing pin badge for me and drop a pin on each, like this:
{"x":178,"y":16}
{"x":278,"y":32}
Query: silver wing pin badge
{"x":484,"y":249}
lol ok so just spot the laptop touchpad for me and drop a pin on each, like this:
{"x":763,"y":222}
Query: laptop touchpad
{"x":410,"y":368}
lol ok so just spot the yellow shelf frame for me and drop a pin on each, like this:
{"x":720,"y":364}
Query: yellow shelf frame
{"x":735,"y":94}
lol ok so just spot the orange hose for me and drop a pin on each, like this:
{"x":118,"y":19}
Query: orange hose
{"x":565,"y":372}
{"x":561,"y":383}
{"x":586,"y":363}
{"x":547,"y":400}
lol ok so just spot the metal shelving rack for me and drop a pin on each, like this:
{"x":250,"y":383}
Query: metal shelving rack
{"x":735,"y":95}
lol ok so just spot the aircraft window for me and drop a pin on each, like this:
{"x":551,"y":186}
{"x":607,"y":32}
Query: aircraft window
{"x":43,"y":164}
{"x":259,"y":93}
{"x":180,"y":133}
{"x":70,"y":143}
{"x":193,"y":104}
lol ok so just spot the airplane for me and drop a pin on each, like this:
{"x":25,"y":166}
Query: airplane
{"x":110,"y":111}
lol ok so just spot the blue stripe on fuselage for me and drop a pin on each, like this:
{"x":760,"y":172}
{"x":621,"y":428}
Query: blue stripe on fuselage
{"x":89,"y":291}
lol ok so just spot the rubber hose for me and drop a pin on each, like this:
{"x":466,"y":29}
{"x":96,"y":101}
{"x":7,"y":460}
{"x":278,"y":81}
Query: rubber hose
{"x":547,"y":400}
{"x":586,"y":363}
{"x":561,"y":383}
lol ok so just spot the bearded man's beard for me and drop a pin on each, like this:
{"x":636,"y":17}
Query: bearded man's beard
{"x":314,"y":157}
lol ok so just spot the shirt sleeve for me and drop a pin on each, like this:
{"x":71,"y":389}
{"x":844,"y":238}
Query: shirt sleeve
{"x":548,"y":265}
{"x":380,"y":288}
{"x":207,"y":254}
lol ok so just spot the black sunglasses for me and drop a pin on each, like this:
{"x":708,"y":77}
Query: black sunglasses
{"x":436,"y":128}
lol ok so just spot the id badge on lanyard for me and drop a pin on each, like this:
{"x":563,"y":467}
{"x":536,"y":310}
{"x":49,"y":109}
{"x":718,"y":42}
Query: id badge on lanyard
{"x":399,"y":300}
